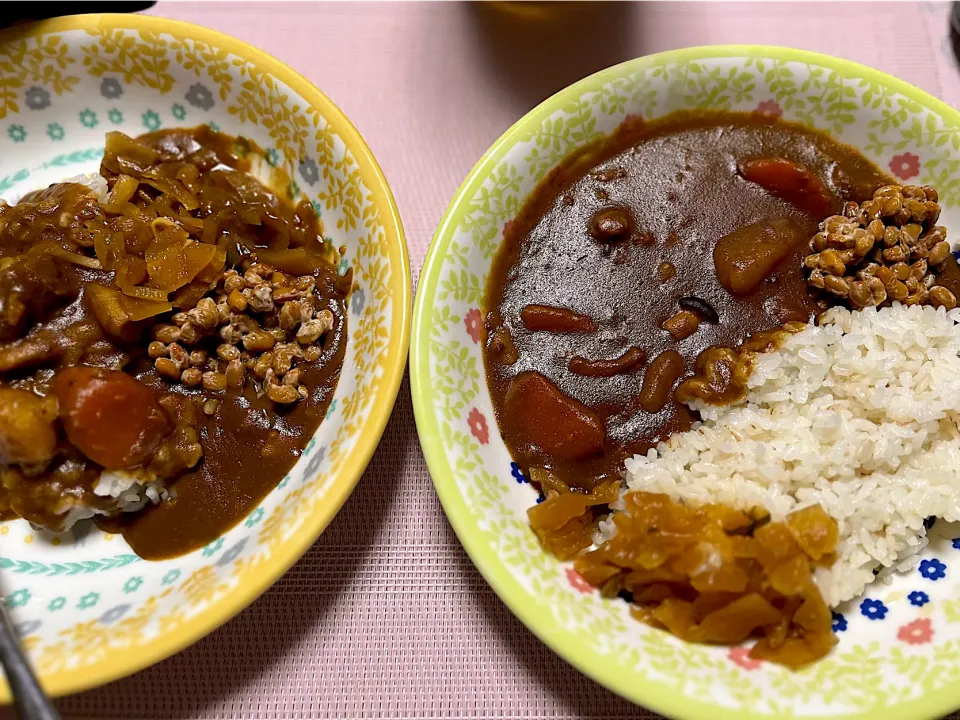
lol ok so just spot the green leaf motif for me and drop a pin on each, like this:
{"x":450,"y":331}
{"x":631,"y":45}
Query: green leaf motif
{"x":496,"y":203}
{"x":944,"y":175}
{"x":75,"y":157}
{"x":951,"y":609}
{"x":31,"y":567}
{"x":462,"y":287}
{"x":11,"y":180}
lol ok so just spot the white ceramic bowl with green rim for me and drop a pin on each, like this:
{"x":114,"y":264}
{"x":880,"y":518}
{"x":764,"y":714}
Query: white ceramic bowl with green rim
{"x":87,"y":608}
{"x":899,"y":647}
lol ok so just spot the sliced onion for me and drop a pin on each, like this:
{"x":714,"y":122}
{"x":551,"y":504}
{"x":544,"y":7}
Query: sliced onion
{"x":123,"y":189}
{"x":76,"y":258}
{"x":146,"y":293}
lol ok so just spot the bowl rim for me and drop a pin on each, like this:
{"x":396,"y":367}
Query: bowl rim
{"x":120,"y":663}
{"x":628,"y":684}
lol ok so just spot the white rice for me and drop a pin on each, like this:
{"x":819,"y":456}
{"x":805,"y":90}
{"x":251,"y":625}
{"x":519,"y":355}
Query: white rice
{"x":125,"y":490}
{"x":131,"y":490}
{"x":94,"y":181}
{"x":859,"y":415}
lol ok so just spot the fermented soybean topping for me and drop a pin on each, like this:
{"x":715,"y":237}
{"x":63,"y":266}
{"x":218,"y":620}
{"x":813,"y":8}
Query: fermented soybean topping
{"x":635,"y":256}
{"x":189,"y":327}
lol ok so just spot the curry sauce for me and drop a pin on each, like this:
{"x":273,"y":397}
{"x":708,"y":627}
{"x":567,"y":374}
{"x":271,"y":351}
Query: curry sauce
{"x":171,"y":336}
{"x":636,"y":255}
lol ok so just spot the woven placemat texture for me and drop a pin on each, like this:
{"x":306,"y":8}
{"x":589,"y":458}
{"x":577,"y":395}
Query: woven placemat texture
{"x":386,"y":617}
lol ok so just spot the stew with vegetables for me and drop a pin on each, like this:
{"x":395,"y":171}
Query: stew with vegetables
{"x":171,"y":334}
{"x":640,"y":280}
{"x":637,"y":255}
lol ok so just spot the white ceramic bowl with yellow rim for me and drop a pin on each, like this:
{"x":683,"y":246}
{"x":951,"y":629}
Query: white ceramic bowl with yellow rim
{"x":899,"y":649}
{"x":88,"y":609}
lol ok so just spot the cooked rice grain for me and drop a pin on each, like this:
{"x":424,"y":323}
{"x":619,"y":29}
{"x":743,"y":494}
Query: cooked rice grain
{"x":119,"y":491}
{"x":94,"y":181}
{"x":859,"y":415}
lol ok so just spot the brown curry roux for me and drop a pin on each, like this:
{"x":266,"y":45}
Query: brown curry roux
{"x":620,"y":240}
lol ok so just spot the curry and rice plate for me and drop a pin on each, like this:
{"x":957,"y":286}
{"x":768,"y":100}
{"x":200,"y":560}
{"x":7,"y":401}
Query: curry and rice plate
{"x":171,"y":335}
{"x":740,"y":401}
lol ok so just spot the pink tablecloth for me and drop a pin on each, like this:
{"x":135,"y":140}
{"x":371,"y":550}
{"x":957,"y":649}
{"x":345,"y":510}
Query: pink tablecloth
{"x":385,"y":617}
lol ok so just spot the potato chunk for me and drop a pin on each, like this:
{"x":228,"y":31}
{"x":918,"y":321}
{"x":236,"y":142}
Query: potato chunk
{"x":27,"y":432}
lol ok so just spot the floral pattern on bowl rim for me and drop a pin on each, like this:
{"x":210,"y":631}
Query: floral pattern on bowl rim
{"x":87,"y":609}
{"x":899,"y":649}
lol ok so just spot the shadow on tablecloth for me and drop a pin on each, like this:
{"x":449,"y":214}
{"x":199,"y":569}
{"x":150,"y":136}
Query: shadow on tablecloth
{"x":535,"y":56}
{"x":954,"y":33}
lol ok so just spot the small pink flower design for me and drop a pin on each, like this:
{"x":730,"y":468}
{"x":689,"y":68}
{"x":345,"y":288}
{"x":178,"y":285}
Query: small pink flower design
{"x":769,"y":107}
{"x":478,"y":426}
{"x":918,"y":632}
{"x":506,"y":227}
{"x":578,"y":583}
{"x":631,"y":119}
{"x":741,"y":656}
{"x":905,"y":165}
{"x":472,"y":322}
